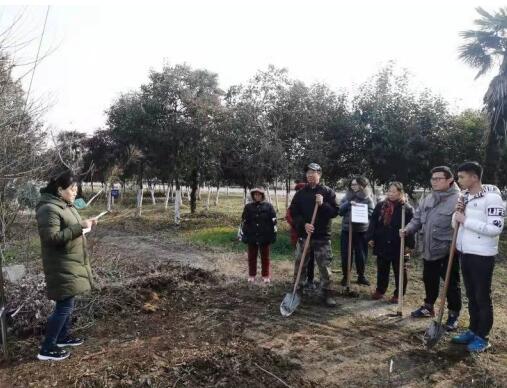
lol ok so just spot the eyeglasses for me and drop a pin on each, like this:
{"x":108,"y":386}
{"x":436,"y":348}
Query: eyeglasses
{"x":437,"y":178}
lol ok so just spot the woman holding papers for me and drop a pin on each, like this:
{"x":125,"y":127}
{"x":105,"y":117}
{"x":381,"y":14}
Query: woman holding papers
{"x":65,"y":262}
{"x":358,"y":194}
{"x":384,"y":237}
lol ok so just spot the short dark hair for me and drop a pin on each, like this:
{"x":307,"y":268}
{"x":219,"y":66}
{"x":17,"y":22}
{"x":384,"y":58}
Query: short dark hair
{"x":63,"y":179}
{"x":471,"y":168}
{"x":446,"y":170}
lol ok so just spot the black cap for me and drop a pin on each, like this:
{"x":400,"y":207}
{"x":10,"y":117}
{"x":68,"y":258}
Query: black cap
{"x":314,"y":167}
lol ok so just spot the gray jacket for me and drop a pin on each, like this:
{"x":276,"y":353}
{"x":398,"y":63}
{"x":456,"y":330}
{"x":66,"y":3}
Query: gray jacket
{"x":359,"y":197}
{"x":434,"y":218}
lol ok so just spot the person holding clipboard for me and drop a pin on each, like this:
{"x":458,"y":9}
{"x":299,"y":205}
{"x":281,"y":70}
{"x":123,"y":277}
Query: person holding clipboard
{"x":357,"y":194}
{"x":65,"y":261}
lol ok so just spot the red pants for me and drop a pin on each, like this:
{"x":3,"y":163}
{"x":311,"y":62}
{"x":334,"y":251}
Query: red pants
{"x":253,"y":251}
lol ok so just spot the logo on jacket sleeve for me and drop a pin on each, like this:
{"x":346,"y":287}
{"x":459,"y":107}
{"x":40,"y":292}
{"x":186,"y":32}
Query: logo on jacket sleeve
{"x":498,"y":224}
{"x":496,"y":212}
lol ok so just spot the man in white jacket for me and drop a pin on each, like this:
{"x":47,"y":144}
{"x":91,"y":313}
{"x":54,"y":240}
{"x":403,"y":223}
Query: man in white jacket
{"x":480,"y":214}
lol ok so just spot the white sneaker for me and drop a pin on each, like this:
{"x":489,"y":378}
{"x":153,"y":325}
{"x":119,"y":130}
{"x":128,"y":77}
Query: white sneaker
{"x":266,"y":280}
{"x":251,"y":279}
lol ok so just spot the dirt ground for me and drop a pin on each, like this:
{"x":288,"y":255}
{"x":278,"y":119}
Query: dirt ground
{"x":184,"y":316}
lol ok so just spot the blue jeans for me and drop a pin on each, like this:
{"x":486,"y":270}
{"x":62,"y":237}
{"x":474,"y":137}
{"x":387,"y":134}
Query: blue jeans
{"x":59,"y":322}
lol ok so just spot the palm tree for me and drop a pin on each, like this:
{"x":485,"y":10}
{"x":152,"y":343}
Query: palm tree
{"x":485,"y":48}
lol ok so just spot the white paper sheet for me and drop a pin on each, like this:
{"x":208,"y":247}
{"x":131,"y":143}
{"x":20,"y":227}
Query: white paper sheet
{"x":359,"y":213}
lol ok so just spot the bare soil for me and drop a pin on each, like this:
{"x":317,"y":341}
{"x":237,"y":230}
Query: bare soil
{"x":169,"y":314}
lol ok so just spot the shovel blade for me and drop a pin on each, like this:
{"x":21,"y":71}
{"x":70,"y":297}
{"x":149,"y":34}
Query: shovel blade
{"x":433,"y":334}
{"x":289,"y":304}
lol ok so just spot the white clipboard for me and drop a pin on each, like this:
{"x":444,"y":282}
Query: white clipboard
{"x":88,"y":230}
{"x":359,"y":213}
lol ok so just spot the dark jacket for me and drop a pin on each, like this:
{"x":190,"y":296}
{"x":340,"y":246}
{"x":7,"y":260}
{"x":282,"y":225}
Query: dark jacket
{"x":387,"y":237}
{"x":64,"y":258}
{"x":258,"y":223}
{"x":301,"y":210}
{"x":345,"y":205}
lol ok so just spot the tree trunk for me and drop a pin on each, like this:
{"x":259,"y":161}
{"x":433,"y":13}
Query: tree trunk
{"x":287,"y":193}
{"x":194,"y":186}
{"x":109,"y":197}
{"x":217,"y":195}
{"x":244,"y":195}
{"x":177,"y":204}
{"x":493,"y":157}
{"x":268,"y":194}
{"x":139,"y":202}
{"x":276,"y":198}
{"x":227,"y":191}
{"x":209,"y":197}
{"x":152,"y":192}
{"x":167,"y":196}
{"x":79,"y":189}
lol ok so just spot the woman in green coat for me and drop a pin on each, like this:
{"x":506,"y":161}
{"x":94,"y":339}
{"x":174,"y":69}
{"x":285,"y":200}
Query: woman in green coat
{"x":66,"y":265}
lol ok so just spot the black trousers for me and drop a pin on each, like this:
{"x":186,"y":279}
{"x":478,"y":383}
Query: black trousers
{"x":477,"y":275}
{"x":435,"y":270}
{"x":359,"y":251}
{"x":384,"y":265}
{"x":310,"y":268}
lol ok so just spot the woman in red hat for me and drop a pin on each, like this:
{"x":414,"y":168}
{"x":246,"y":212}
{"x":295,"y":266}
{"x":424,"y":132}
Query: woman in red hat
{"x":259,"y":232}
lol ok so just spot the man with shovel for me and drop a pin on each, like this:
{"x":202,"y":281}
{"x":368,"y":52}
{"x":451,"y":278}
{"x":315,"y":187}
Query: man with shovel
{"x":434,"y":217}
{"x":481,"y":219}
{"x":301,"y":209}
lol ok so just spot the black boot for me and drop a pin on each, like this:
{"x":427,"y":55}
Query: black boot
{"x":362,"y":280}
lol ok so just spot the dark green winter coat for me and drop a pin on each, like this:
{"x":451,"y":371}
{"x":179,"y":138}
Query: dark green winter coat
{"x":64,"y":258}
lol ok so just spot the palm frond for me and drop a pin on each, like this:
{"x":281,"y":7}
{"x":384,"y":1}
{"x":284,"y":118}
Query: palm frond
{"x":488,"y":39}
{"x":475,"y":55}
{"x":489,"y":22}
{"x":485,"y":14}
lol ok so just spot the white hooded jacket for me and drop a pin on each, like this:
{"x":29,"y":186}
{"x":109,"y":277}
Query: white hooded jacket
{"x":484,"y":221}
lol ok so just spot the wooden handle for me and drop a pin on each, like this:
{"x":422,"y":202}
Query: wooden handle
{"x":349,"y":254}
{"x":448,"y":274}
{"x":305,"y":249}
{"x":401,"y":273}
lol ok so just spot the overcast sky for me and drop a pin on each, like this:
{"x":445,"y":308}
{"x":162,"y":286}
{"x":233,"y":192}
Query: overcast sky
{"x":101,"y":51}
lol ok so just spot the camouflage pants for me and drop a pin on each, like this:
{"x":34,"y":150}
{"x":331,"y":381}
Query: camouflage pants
{"x":323,"y":256}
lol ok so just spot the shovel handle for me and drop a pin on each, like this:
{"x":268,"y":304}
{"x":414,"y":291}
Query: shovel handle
{"x":305,"y":249}
{"x":349,"y":254}
{"x":401,"y":274}
{"x":448,"y":274}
